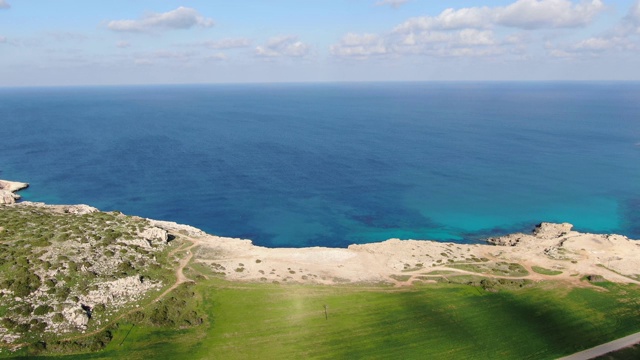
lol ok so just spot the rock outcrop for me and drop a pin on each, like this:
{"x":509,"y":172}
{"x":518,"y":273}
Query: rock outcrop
{"x":80,"y":209}
{"x":7,"y":190}
{"x":547,"y":230}
{"x":507,"y":240}
{"x":175,"y":227}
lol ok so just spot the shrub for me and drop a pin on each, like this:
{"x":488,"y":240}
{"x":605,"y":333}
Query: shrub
{"x":42,"y":310}
{"x":25,"y":284}
{"x":57,"y":318}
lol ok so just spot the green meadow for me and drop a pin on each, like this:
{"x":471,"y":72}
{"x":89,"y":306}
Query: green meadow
{"x":436,"y":321}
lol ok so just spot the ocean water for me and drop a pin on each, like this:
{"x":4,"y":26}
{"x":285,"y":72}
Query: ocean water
{"x":335,"y":164}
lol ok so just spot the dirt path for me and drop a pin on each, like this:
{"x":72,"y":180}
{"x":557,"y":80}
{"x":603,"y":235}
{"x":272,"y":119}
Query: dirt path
{"x":605,"y":348}
{"x":180,"y":277}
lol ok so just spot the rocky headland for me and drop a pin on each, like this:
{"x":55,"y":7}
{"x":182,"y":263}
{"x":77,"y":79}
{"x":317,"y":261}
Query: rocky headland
{"x":8,"y":189}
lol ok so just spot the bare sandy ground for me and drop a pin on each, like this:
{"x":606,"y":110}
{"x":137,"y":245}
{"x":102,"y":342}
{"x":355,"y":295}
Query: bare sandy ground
{"x":401,"y":262}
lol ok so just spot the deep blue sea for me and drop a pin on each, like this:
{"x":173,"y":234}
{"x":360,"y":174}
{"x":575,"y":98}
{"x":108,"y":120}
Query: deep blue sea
{"x":335,"y":164}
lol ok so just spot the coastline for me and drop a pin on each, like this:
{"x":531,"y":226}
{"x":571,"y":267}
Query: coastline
{"x":562,"y":253}
{"x":8,"y":191}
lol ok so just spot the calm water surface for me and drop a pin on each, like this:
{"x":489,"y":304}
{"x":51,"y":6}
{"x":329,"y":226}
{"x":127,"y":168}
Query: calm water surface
{"x":335,"y":164}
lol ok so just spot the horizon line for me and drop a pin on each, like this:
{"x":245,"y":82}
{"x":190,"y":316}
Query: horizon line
{"x":328,"y":82}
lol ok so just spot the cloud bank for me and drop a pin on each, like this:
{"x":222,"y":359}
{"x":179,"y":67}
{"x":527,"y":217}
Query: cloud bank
{"x":284,"y":46}
{"x":471,"y":31}
{"x":180,"y":18}
{"x":622,"y":37}
{"x":523,"y":14}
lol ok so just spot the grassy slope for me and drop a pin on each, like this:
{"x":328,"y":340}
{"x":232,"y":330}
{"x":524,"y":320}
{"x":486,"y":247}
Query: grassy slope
{"x":435,"y":321}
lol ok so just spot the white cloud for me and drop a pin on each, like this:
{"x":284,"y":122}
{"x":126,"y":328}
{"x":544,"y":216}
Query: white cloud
{"x":471,"y":42}
{"x":3,"y":39}
{"x":180,"y":18}
{"x":228,"y":43}
{"x":284,"y":46}
{"x":465,"y":37}
{"x":536,"y":14}
{"x":593,"y":46}
{"x":4,"y":4}
{"x":472,"y":31}
{"x":621,"y":37}
{"x":465,"y":42}
{"x":217,"y":57}
{"x":449,"y":19}
{"x":632,"y":20}
{"x":123,"y":44}
{"x":474,"y":37}
{"x":359,"y":46}
{"x":393,"y":3}
{"x":523,"y":14}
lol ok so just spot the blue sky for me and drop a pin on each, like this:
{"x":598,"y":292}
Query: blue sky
{"x":73,"y":42}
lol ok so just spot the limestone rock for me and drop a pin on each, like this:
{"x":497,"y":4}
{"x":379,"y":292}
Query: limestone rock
{"x":551,"y":231}
{"x":7,"y":197}
{"x":76,"y":316}
{"x":79,"y":209}
{"x":155,"y":235}
{"x":7,"y":189}
{"x":172,"y":226}
{"x":119,"y":292}
{"x":507,"y":240}
{"x":67,"y":209}
{"x":12,"y":186}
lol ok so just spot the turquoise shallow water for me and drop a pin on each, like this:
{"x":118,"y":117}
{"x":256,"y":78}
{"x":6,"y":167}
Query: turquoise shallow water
{"x":335,"y":164}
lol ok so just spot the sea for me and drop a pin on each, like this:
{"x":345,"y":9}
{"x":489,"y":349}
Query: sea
{"x":333,"y":164}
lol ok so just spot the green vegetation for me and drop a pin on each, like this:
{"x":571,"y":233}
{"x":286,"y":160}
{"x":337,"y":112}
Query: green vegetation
{"x":499,"y":269}
{"x":439,"y":272}
{"x":443,"y":321}
{"x":544,"y":271}
{"x":55,"y":267}
{"x":400,"y":277}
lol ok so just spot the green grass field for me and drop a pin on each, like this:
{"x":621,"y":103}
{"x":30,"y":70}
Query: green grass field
{"x":545,"y":271}
{"x":443,"y":321}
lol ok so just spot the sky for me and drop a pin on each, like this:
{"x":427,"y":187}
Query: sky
{"x":99,"y":42}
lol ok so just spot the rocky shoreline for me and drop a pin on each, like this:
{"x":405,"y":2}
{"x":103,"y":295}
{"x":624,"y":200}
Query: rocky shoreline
{"x":561,"y":253}
{"x":8,"y":189}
